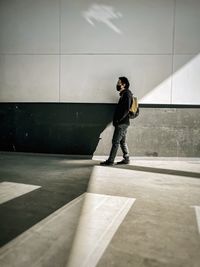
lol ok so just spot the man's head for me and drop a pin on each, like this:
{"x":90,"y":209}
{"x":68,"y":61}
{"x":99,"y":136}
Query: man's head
{"x":122,"y":84}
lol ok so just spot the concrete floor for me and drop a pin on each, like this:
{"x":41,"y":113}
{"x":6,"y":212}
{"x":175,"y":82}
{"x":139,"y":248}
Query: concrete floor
{"x":69,"y":211}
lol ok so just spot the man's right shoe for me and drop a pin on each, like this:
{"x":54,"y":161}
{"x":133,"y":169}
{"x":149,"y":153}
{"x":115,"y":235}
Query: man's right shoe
{"x":124,"y":161}
{"x":107,"y":163}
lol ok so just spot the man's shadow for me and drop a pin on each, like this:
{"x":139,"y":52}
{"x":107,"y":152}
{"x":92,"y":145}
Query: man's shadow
{"x":56,"y":128}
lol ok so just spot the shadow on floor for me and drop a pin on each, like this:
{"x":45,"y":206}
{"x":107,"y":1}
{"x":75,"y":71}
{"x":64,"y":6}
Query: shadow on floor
{"x":61,"y":180}
{"x":159,"y":170}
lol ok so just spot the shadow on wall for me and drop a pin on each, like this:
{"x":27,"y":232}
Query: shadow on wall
{"x":63,"y":128}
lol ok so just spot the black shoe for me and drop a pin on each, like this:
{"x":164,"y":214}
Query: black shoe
{"x":124,"y":161}
{"x":107,"y":163}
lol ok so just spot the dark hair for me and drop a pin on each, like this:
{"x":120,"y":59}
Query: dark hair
{"x":125,"y":81}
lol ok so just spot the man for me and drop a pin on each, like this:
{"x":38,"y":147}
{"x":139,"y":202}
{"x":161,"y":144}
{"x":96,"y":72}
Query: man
{"x":121,"y":123}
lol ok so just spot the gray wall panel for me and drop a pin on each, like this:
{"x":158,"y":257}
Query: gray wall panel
{"x":96,"y":43}
{"x":29,"y":78}
{"x":28,"y":26}
{"x":92,"y":78}
{"x":187,"y":27}
{"x":186,"y":79}
{"x":128,"y":26}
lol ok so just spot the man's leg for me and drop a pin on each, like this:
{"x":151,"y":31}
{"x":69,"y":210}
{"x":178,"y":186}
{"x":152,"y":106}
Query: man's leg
{"x":124,"y":148}
{"x":118,"y":135}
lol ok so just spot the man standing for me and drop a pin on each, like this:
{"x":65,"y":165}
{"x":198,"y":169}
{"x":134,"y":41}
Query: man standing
{"x":121,"y":123}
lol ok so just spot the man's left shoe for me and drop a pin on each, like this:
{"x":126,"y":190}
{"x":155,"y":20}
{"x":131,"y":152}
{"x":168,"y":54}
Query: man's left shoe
{"x":107,"y":163}
{"x":124,"y":161}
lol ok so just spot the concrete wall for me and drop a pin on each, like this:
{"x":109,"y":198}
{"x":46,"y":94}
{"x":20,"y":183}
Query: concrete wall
{"x":50,"y":47}
{"x":72,"y":53}
{"x":86,"y":129}
{"x":159,"y":132}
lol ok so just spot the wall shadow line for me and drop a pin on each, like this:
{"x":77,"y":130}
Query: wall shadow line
{"x":160,"y":170}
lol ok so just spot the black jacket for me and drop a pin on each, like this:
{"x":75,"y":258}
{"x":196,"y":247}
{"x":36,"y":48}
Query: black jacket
{"x":121,"y":115}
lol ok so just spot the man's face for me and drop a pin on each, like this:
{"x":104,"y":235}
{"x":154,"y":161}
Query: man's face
{"x":120,"y":85}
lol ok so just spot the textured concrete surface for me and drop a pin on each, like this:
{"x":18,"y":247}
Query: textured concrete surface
{"x":161,"y":132}
{"x":161,"y":229}
{"x":86,"y":129}
{"x":9,"y":190}
{"x":46,"y":244}
{"x":100,"y":218}
{"x":61,"y":179}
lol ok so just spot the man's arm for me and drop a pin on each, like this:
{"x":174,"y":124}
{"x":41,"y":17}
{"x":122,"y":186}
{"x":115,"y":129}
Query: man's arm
{"x":125,"y":106}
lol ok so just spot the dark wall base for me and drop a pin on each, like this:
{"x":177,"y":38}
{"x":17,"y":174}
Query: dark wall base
{"x":67,"y":128}
{"x":53,"y":127}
